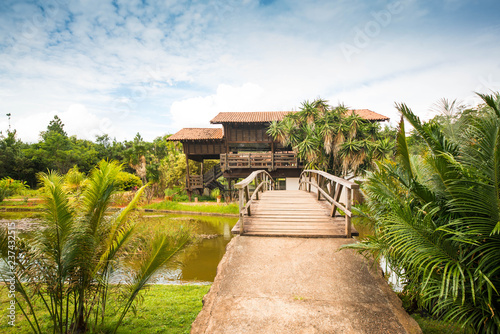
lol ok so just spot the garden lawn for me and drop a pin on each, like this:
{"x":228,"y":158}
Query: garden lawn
{"x":165,"y":309}
{"x":177,"y":206}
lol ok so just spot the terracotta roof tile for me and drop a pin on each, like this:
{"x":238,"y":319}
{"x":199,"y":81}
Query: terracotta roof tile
{"x":249,"y":117}
{"x":368,"y":115}
{"x":269,"y":116}
{"x":197,"y":134}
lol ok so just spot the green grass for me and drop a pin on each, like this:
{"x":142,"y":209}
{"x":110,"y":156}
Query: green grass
{"x":165,"y":309}
{"x":176,"y":206}
{"x":20,"y":204}
{"x":433,"y":326}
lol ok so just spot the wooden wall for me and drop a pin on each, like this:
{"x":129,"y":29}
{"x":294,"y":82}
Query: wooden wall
{"x":204,"y":147}
{"x":237,"y":137}
{"x":246,"y":133}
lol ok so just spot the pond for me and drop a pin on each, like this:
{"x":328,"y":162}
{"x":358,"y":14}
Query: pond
{"x":197,"y":263}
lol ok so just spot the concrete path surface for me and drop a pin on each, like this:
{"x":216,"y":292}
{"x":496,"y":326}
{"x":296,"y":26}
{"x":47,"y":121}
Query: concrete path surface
{"x":299,"y":285}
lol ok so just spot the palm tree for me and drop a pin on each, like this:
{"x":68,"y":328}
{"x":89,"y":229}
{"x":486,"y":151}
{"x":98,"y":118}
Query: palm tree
{"x":436,"y":218}
{"x":329,"y":138}
{"x":69,"y":263}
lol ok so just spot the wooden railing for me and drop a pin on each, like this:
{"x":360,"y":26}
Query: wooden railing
{"x":212,"y":174}
{"x":330,"y":187}
{"x":267,"y":161}
{"x":262,"y":181}
{"x":196,"y":181}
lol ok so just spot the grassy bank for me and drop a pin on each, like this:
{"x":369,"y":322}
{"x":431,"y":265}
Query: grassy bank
{"x":433,"y":326}
{"x":165,"y":309}
{"x":200,"y":207}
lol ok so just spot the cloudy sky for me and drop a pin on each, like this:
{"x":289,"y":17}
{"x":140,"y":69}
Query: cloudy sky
{"x":124,"y":66}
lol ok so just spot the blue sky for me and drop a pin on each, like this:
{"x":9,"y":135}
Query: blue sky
{"x":122,"y":67}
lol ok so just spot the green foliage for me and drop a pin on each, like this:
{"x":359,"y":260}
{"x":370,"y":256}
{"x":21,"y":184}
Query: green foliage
{"x":165,"y":309}
{"x":181,"y":197}
{"x":436,"y":217}
{"x":434,"y":326}
{"x":69,"y":263}
{"x":14,"y":162}
{"x":159,"y":161}
{"x":74,"y":180}
{"x":169,"y":192}
{"x":215,"y":193}
{"x":9,"y":187}
{"x":332,"y":139}
{"x":55,"y":126}
{"x":127,"y":181}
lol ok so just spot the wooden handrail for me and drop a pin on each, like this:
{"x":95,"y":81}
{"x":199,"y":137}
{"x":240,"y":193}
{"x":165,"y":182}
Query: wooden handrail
{"x":344,"y":182}
{"x":330,"y":187}
{"x":265,"y":160}
{"x":262,"y":181}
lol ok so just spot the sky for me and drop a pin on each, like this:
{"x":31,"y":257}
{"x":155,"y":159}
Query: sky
{"x":122,"y":67}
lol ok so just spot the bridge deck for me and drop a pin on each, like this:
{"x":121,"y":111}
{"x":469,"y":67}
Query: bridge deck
{"x":293,"y":213}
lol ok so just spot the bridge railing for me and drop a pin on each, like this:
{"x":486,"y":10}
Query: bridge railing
{"x":330,"y":187}
{"x":261,"y":181}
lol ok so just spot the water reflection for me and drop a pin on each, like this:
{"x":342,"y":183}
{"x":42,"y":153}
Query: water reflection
{"x":197,"y":263}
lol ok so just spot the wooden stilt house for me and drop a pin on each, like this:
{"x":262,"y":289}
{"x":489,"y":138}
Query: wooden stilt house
{"x":242,"y":145}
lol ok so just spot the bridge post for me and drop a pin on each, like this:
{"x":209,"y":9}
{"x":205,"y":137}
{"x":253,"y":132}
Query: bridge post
{"x":247,"y":199}
{"x":256,"y":184}
{"x":241,"y":213}
{"x":348,"y":216}
{"x":332,"y":189}
{"x":319,"y":186}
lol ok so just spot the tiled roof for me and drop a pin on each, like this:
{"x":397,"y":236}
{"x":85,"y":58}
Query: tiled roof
{"x":269,"y":116}
{"x":197,"y":134}
{"x":249,"y":117}
{"x":368,"y":115}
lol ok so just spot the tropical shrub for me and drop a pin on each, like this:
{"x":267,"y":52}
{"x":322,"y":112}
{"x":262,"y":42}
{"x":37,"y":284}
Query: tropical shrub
{"x":127,"y":181}
{"x":74,"y":179}
{"x":68,"y":265}
{"x":436,"y":218}
{"x":9,"y":187}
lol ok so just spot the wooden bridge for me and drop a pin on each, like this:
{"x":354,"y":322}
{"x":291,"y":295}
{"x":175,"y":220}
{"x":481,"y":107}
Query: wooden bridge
{"x":308,"y":212}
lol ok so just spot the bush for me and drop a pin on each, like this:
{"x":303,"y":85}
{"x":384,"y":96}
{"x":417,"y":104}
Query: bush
{"x":9,"y":187}
{"x":127,"y":181}
{"x":169,"y":192}
{"x":74,"y":179}
{"x":214,"y":193}
{"x":182,"y":197}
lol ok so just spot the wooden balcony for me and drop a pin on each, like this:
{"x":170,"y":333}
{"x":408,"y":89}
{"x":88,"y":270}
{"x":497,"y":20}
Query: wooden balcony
{"x":266,"y":160}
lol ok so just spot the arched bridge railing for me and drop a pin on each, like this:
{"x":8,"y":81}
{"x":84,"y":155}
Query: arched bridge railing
{"x":331,"y":187}
{"x":261,"y":181}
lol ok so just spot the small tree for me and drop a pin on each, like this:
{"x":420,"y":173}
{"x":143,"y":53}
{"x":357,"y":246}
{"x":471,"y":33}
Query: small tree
{"x":68,"y":264}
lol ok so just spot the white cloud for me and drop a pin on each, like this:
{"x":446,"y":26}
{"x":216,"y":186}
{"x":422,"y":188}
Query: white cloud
{"x":141,"y":66}
{"x":76,"y":118}
{"x":198,"y":111}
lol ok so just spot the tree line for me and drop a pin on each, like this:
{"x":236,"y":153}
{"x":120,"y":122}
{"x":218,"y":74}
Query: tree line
{"x":159,"y":161}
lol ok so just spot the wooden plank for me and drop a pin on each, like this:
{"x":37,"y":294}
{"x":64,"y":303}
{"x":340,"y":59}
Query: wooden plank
{"x":291,"y":213}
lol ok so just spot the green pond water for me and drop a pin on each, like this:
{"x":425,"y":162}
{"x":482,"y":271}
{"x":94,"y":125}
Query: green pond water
{"x":197,"y":263}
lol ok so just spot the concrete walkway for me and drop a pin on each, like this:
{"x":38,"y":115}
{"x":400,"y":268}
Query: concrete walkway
{"x":299,"y":285}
